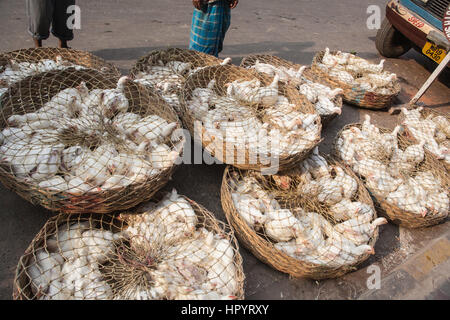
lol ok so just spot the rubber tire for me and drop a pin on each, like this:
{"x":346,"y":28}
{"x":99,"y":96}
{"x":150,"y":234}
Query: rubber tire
{"x":390,"y":42}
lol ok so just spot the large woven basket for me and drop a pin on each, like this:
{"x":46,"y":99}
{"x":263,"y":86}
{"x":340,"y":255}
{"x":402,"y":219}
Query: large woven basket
{"x":249,"y":61}
{"x":392,"y":212}
{"x":125,"y":267}
{"x":425,"y":112}
{"x":157,"y":57}
{"x":354,"y":94}
{"x":197,"y":59}
{"x":78,"y":57}
{"x":32,"y":93}
{"x":217,"y":147}
{"x":262,"y":246}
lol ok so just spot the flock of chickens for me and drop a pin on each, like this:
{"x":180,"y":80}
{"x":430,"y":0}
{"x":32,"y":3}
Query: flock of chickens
{"x":87,"y":141}
{"x":299,"y":231}
{"x":322,"y":97}
{"x":17,"y":71}
{"x":357,"y":72}
{"x":279,"y":128}
{"x":433,"y":129}
{"x":164,"y":246}
{"x":168,"y":78}
{"x":392,"y":173}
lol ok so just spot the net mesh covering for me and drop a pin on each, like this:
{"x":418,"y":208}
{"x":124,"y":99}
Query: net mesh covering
{"x":365,"y":84}
{"x":173,"y":249}
{"x":409,"y":184}
{"x":317,"y":222}
{"x":82,"y":141}
{"x":17,"y":65}
{"x":326,"y":101}
{"x":166,"y":70}
{"x":433,"y":127}
{"x":247,"y":119}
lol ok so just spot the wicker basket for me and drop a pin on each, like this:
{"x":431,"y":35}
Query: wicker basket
{"x":241,"y":156}
{"x":354,"y":94}
{"x":154,"y":58}
{"x":249,"y":61}
{"x":395,"y":214}
{"x":32,"y":93}
{"x":123,"y":268}
{"x":81,"y":58}
{"x":197,"y":59}
{"x":262,"y":246}
{"x":425,"y":112}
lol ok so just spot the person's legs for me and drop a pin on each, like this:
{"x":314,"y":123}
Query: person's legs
{"x":209,"y":27}
{"x":39,"y":13}
{"x":60,"y":28}
{"x":226,"y":20}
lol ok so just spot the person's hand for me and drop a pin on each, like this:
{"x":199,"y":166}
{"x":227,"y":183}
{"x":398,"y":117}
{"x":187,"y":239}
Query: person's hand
{"x":233,"y":3}
{"x":197,"y":4}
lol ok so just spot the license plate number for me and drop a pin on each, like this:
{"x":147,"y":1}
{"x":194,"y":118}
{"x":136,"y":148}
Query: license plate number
{"x":434,"y":52}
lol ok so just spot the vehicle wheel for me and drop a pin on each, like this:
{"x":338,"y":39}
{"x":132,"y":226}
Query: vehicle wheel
{"x":390,"y":42}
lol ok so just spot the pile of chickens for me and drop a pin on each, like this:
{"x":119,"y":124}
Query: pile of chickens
{"x":194,"y":263}
{"x":321,"y":96}
{"x":301,"y":232}
{"x":434,"y":130}
{"x":161,"y":254}
{"x":15,"y":71}
{"x":69,"y":267}
{"x":168,"y":78}
{"x":358,"y":72}
{"x":87,"y":141}
{"x":391,"y":173}
{"x":254,"y":117}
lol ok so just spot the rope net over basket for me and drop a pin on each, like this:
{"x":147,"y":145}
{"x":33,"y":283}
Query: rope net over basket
{"x":317,"y":222}
{"x":81,"y":141}
{"x":365,"y":85}
{"x":166,"y":70}
{"x":409,"y":184}
{"x":425,"y":124}
{"x":174,"y":249}
{"x":248,"y":120}
{"x":327,"y":102}
{"x":17,"y":65}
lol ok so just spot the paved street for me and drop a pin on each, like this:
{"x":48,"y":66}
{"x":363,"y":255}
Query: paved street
{"x":414,"y":263}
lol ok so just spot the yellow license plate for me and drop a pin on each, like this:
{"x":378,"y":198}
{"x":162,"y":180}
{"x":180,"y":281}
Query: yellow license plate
{"x":434,"y":52}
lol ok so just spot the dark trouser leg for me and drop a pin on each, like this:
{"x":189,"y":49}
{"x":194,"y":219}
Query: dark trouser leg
{"x":37,"y":43}
{"x":60,"y":28}
{"x":39,"y":14}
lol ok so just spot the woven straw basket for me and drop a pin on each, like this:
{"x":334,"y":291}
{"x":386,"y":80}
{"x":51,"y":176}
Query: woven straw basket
{"x":32,"y":93}
{"x":81,"y":58}
{"x":197,"y":59}
{"x":125,"y":265}
{"x":425,"y":112}
{"x":171,"y":76}
{"x":239,"y":155}
{"x":263,"y":247}
{"x":355,"y":95}
{"x":398,"y":215}
{"x":249,"y":61}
